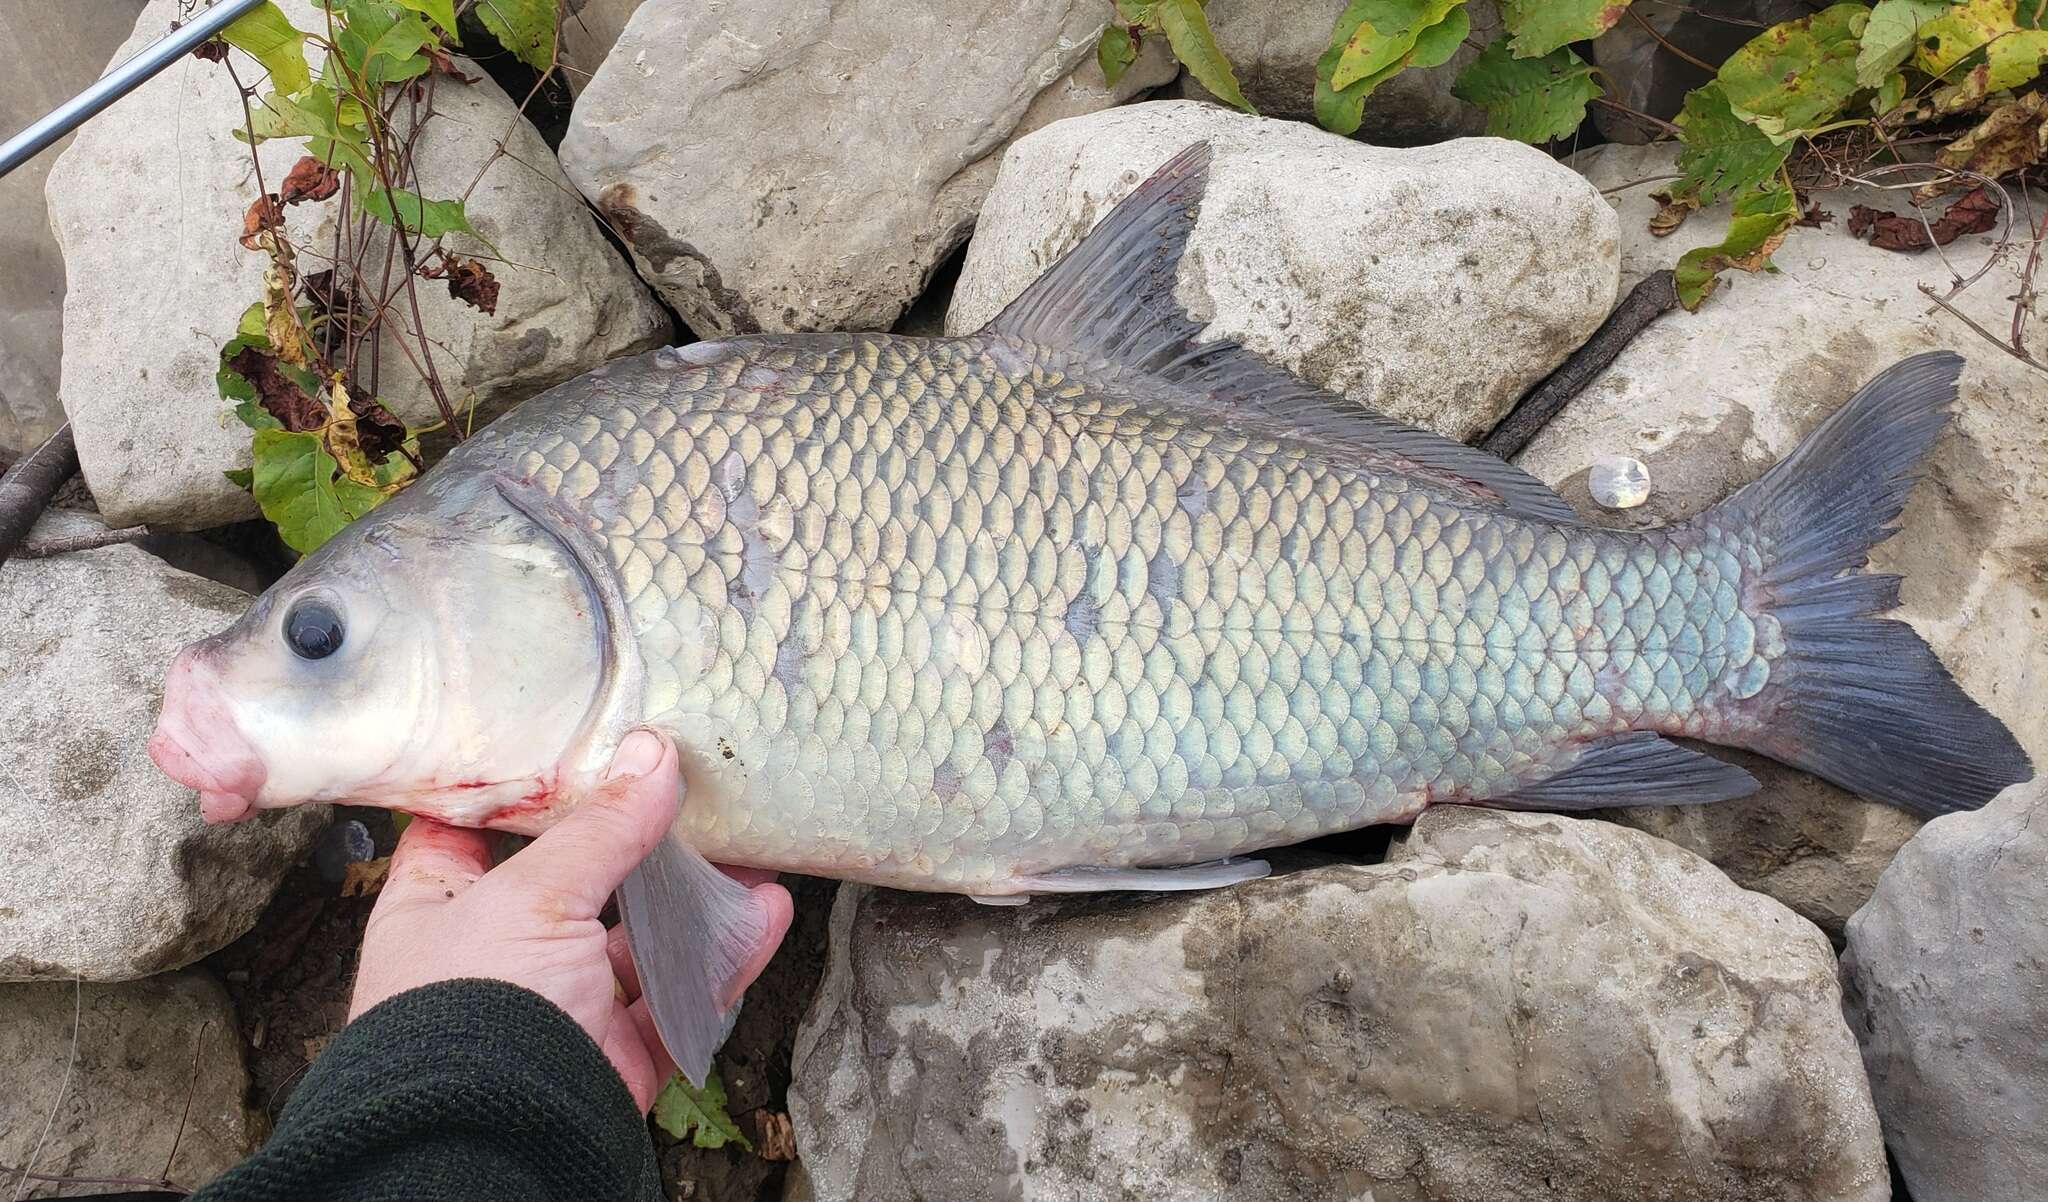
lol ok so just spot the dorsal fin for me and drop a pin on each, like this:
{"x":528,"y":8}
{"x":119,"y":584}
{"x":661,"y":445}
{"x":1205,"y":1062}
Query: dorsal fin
{"x":1109,"y":304}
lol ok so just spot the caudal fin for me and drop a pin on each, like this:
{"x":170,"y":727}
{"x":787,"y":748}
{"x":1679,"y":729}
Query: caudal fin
{"x":1859,"y":699}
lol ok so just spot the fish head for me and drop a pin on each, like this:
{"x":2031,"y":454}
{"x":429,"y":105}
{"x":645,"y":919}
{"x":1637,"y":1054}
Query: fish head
{"x":443,"y":656}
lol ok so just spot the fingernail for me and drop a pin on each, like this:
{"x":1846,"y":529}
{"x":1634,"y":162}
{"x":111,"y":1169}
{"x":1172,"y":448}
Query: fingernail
{"x":639,"y":755}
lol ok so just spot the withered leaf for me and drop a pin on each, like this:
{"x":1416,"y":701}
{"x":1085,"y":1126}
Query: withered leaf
{"x":264,"y":213}
{"x":1812,"y":216}
{"x":309,"y":179}
{"x":777,"y":1136}
{"x":2012,"y":138}
{"x":1671,"y":213}
{"x":469,"y":280}
{"x":378,"y":430}
{"x":1972,"y":213}
{"x":277,"y":392}
{"x":361,"y":878}
{"x":212,"y":50}
{"x":444,"y":64}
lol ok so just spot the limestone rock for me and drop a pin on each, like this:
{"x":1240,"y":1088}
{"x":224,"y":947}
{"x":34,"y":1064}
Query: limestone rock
{"x":806,"y":165}
{"x":1273,"y":46}
{"x":1513,"y":1006}
{"x":115,"y":1111}
{"x":1946,"y":984}
{"x":590,"y":28}
{"x":148,"y":210}
{"x":69,"y":45}
{"x":1709,"y":400}
{"x":110,"y":873}
{"x":1434,"y":284}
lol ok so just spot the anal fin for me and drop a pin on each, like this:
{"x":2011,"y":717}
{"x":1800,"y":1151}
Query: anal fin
{"x":699,"y":938}
{"x":1636,"y":768}
{"x":1212,"y":874}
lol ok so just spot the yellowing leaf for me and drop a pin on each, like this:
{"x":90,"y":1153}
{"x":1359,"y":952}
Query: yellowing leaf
{"x":524,"y":27}
{"x":1758,"y":226}
{"x":685,"y":1111}
{"x":267,"y":36}
{"x":1541,"y":26}
{"x":1528,"y":99}
{"x":1796,"y":76}
{"x":1387,"y":36}
{"x":1187,"y":30}
{"x":2013,"y":137}
{"x":2012,"y":54}
{"x":1889,"y":38}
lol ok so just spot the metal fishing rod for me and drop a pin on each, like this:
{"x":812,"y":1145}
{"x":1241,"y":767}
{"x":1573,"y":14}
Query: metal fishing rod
{"x":119,"y":82}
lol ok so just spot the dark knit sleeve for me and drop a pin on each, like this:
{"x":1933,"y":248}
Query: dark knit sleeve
{"x":463,"y":1089}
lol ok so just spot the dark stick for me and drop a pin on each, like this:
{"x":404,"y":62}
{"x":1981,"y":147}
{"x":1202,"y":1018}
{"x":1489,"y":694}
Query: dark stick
{"x":1655,"y":296}
{"x":28,"y":486}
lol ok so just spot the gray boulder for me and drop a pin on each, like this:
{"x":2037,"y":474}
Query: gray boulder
{"x":1434,"y":284}
{"x":68,"y":45}
{"x":1273,"y":46}
{"x":158,"y":1066}
{"x":1946,"y":984}
{"x":148,"y":211}
{"x":590,"y":28}
{"x":1708,"y":400}
{"x":110,"y":873}
{"x":806,"y":165}
{"x":1513,"y":1006}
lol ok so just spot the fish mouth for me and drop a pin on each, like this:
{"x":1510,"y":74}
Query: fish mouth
{"x":198,"y":744}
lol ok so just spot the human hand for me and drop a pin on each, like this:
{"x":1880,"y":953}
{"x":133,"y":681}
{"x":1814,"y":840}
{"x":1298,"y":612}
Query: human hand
{"x":446,"y":914}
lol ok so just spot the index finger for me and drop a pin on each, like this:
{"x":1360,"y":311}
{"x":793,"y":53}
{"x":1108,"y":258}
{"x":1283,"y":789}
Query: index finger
{"x":583,"y":857}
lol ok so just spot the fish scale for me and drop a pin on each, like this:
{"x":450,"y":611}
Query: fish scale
{"x":938,"y":619}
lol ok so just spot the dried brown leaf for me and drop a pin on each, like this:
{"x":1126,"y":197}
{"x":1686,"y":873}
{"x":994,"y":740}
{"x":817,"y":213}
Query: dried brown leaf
{"x":264,"y":213}
{"x":469,"y":280}
{"x":212,"y":50}
{"x":277,"y":392}
{"x":1671,"y":213}
{"x":444,"y":64}
{"x":776,"y":1139}
{"x":309,"y":179}
{"x":361,"y":878}
{"x":1973,"y":213}
{"x":2012,"y":138}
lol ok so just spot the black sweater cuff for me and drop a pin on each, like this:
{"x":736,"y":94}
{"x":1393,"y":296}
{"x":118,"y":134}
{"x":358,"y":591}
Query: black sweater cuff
{"x":462,"y":1089}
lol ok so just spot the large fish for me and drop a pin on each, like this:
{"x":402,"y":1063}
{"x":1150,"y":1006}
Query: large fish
{"x":1074,"y":603}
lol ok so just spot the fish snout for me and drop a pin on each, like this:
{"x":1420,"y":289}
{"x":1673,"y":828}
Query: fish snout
{"x":198,"y":744}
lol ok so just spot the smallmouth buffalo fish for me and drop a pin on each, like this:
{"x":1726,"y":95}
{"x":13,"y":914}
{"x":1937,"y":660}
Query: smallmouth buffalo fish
{"x":1077,"y":602}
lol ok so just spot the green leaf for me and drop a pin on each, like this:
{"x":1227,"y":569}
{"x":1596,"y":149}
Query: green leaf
{"x":440,"y":12}
{"x":1340,"y":109}
{"x":1139,"y":12}
{"x":1889,"y":38}
{"x":1187,"y":30}
{"x":1381,"y":33}
{"x":1528,"y":99}
{"x":1718,"y":151}
{"x":1796,"y":76}
{"x":683,"y":1110}
{"x":1757,"y":227}
{"x":241,"y":477}
{"x":1890,"y":94}
{"x":2012,"y":53}
{"x":313,"y":116}
{"x":427,"y":218}
{"x":267,"y":36}
{"x":382,"y":45}
{"x":1115,"y":51}
{"x":524,"y":27}
{"x":293,"y":479}
{"x":1541,"y":26}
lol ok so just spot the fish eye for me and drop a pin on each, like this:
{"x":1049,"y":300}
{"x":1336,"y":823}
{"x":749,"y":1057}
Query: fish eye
{"x":312,"y":629}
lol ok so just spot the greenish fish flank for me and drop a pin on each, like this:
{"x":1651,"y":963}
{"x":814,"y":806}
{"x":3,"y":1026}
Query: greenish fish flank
{"x":1078,"y":602}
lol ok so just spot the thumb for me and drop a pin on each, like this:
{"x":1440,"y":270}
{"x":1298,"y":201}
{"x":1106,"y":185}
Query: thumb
{"x":583,"y":857}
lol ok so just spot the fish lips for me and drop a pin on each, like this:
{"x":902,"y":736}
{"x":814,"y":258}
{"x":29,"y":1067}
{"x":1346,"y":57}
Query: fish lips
{"x":198,"y":744}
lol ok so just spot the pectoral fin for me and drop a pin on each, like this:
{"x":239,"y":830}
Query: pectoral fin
{"x":1214,"y":874}
{"x":699,"y":938}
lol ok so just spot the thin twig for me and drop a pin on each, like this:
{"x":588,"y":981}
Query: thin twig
{"x":191,"y":1088}
{"x":248,"y":121}
{"x":1650,"y":29}
{"x":65,"y":545}
{"x":2019,"y":353}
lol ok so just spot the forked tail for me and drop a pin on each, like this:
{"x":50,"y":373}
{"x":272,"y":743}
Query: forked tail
{"x":1856,"y":698}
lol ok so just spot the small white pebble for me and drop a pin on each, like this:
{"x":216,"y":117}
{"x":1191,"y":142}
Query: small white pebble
{"x":1619,"y":482}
